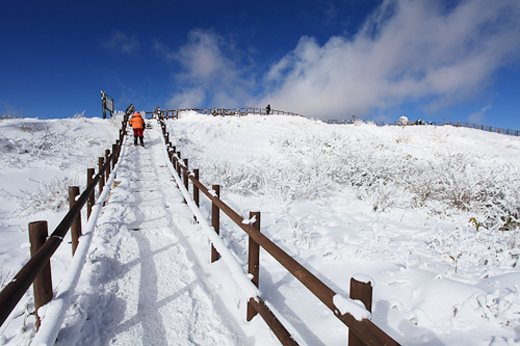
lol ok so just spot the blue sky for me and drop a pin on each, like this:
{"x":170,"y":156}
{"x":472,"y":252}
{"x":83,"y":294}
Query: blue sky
{"x":377,"y":59}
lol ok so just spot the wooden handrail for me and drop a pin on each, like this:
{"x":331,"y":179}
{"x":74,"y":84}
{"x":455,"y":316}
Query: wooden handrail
{"x":16,"y":288}
{"x":173,"y":113}
{"x":434,"y":123}
{"x":365,"y":329}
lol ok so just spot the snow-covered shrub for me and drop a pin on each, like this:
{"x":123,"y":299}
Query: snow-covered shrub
{"x":52,"y":195}
{"x":79,"y":115}
{"x":240,"y":179}
{"x":403,"y":121}
{"x":306,"y":164}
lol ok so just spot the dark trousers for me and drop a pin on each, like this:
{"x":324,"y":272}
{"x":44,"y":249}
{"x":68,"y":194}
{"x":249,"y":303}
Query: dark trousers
{"x":138,"y":133}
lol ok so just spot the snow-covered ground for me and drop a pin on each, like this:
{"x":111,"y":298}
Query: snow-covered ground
{"x":429,"y":213}
{"x":39,"y":160}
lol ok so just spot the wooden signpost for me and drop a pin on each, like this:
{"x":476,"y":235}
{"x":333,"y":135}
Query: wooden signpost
{"x":108,"y":104}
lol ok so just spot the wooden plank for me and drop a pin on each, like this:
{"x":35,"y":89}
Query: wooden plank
{"x":272,"y":321}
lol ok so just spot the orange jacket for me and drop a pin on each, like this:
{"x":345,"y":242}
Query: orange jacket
{"x":137,"y":122}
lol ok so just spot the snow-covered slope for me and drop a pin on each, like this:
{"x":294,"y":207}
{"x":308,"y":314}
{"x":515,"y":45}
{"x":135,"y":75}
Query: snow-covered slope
{"x":429,"y":213}
{"x":39,"y":160}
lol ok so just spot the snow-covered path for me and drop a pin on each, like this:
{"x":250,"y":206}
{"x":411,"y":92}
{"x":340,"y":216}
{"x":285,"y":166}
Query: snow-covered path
{"x":141,"y":284}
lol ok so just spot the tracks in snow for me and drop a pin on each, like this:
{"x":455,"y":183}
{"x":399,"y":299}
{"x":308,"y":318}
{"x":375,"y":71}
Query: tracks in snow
{"x":140,"y":285}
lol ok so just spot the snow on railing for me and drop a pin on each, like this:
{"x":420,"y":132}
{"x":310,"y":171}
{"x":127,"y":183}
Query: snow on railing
{"x":56,"y":309}
{"x":37,"y":270}
{"x":348,"y":310}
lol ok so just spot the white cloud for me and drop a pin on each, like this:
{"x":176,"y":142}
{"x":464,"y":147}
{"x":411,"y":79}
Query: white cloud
{"x":408,"y":50}
{"x":203,"y":56}
{"x":211,"y":71}
{"x":478,"y":117}
{"x":189,"y":98}
{"x":164,"y":51}
{"x":119,"y":41}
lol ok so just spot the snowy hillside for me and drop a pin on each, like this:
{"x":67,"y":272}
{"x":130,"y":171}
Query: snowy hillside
{"x":429,"y":213}
{"x":39,"y":160}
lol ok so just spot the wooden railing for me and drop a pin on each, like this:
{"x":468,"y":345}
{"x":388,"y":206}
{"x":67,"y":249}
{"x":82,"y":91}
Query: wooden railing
{"x":37,"y":269}
{"x":174,"y":113}
{"x":433,"y":123}
{"x":362,"y":332}
{"x":240,"y":111}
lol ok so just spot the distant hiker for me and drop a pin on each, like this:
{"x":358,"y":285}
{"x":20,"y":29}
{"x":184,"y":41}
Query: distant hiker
{"x":138,"y":126}
{"x":268,"y":109}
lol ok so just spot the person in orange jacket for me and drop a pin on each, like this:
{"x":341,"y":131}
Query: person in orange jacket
{"x":138,"y":126}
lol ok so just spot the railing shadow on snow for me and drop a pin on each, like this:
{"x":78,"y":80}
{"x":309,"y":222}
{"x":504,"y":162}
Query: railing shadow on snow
{"x":362,"y":330}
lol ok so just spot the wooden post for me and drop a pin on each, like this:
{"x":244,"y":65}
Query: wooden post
{"x":195,"y":188}
{"x":196,"y":191}
{"x":118,"y":144}
{"x":185,"y":175}
{"x":75,"y":229}
{"x":91,"y":199}
{"x":42,"y":285}
{"x":215,"y":222}
{"x":107,"y":154}
{"x":102,"y":180}
{"x":361,"y":291}
{"x":253,"y":263}
{"x":179,"y":168}
{"x":114,"y":148}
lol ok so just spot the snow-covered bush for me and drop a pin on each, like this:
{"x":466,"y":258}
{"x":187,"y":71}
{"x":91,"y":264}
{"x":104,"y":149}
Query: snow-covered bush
{"x":79,"y":115}
{"x":236,"y":178}
{"x":305,"y":165}
{"x":52,"y":195}
{"x":403,"y":121}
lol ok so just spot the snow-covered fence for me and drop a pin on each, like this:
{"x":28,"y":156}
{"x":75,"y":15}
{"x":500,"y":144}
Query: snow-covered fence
{"x":353,"y":311}
{"x":42,"y":248}
{"x":174,"y":113}
{"x":433,"y":123}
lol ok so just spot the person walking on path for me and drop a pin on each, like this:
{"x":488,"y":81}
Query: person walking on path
{"x":138,"y":125}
